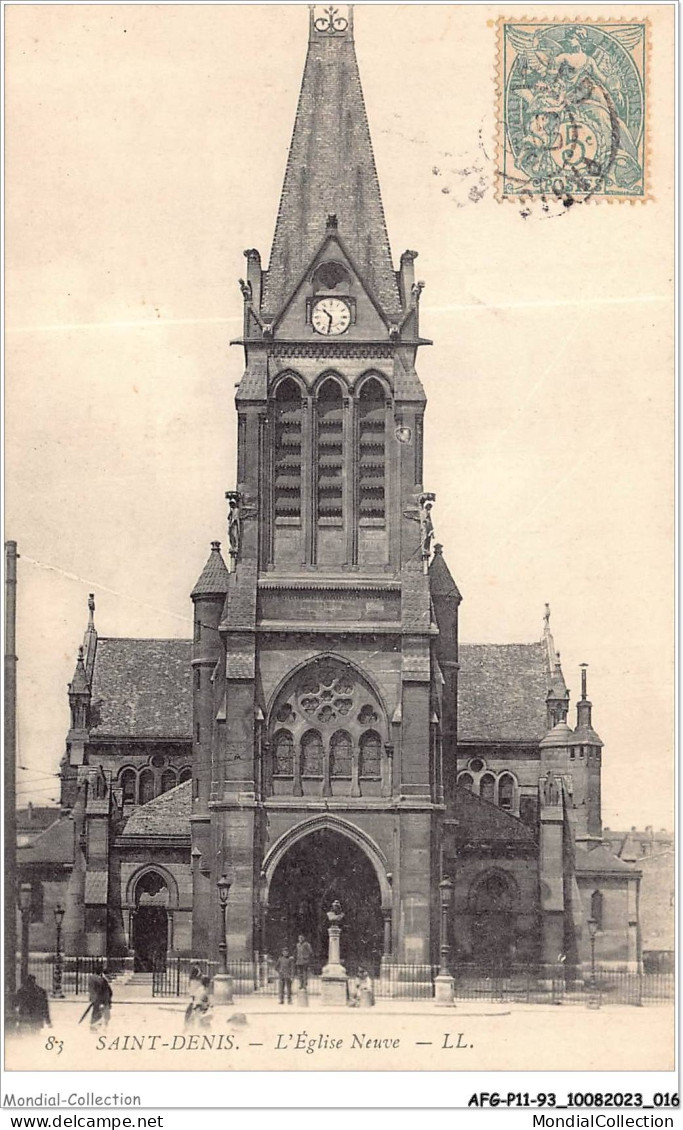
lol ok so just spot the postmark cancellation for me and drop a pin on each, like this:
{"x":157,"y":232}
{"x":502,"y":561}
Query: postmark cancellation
{"x":572,"y":109}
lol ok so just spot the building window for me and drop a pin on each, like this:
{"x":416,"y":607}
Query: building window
{"x":197,"y":630}
{"x":340,"y":754}
{"x":371,"y":461}
{"x":198,"y":679}
{"x":528,"y":811}
{"x":185,"y":774}
{"x":128,"y":781}
{"x":311,"y":755}
{"x":597,"y":907}
{"x":506,"y":792}
{"x":330,"y":484}
{"x":465,"y":781}
{"x":287,"y":453}
{"x":168,"y":780}
{"x":487,"y":788}
{"x":198,"y":733}
{"x":283,"y":754}
{"x":370,"y":750}
{"x":146,"y":786}
{"x":37,"y":911}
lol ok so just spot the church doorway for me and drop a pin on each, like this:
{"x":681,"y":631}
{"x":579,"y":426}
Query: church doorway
{"x":493,"y":924}
{"x":321,"y":867}
{"x":150,"y":924}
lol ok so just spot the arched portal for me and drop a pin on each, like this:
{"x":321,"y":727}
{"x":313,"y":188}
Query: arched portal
{"x":150,"y":923}
{"x":493,"y":900}
{"x":318,"y":868}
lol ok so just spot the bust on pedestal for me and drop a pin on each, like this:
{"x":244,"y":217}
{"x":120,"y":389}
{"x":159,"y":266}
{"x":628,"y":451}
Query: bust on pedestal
{"x":334,"y":982}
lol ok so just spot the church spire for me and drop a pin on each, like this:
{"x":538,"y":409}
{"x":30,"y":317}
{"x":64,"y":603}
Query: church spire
{"x":330,"y":171}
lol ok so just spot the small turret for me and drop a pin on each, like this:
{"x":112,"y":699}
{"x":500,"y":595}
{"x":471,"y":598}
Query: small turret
{"x":79,"y":695}
{"x":557,"y":698}
{"x":586,"y":756}
{"x":208,"y":597}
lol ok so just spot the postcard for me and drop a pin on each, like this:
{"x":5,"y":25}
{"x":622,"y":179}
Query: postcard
{"x":339,"y":558}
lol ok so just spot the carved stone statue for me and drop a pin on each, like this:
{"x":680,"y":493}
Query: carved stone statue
{"x":335,"y":914}
{"x":234,"y":523}
{"x":426,"y":524}
{"x":551,"y":791}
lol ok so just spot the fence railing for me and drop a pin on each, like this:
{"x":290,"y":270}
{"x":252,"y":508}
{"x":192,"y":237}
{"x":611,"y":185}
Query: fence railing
{"x":396,"y":981}
{"x":75,"y":971}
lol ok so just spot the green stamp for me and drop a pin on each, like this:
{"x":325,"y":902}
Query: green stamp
{"x":572,"y":118}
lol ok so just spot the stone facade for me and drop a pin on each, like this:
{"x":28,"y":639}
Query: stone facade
{"x":341,"y":743}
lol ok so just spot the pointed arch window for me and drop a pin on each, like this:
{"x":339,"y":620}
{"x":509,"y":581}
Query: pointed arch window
{"x":341,"y":753}
{"x":185,"y":775}
{"x":370,"y":754}
{"x":466,"y":781}
{"x":487,"y":788}
{"x":371,"y":459}
{"x":283,"y":754}
{"x":128,"y":782}
{"x":168,"y":780}
{"x":288,"y":415}
{"x":311,"y":754}
{"x":146,"y":786}
{"x":506,"y":792}
{"x":330,"y":447}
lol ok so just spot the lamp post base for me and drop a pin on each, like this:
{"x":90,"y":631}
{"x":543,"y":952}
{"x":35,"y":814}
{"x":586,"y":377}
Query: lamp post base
{"x":222,"y":989}
{"x":444,"y":990}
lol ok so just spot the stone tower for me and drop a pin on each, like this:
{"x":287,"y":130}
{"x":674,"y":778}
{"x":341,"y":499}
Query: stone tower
{"x":318,"y":712}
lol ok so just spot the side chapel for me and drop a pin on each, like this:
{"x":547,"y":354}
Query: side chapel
{"x":324,"y":735}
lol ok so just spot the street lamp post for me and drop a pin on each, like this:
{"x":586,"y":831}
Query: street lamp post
{"x":222,"y":982}
{"x":593,"y":994}
{"x":57,"y":976}
{"x":25,"y":908}
{"x":444,"y":985}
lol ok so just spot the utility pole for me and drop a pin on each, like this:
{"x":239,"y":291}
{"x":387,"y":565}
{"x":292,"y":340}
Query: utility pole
{"x":10,"y":782}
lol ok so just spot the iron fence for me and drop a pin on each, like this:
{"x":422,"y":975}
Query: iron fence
{"x":75,"y":971}
{"x":396,"y":981}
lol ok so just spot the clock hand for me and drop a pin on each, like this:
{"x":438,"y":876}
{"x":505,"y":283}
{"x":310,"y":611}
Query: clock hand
{"x":330,"y":320}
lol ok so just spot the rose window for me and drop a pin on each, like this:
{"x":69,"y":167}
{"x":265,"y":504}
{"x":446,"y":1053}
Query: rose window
{"x":328,"y":723}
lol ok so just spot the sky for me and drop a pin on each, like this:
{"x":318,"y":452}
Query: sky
{"x":146,"y":146}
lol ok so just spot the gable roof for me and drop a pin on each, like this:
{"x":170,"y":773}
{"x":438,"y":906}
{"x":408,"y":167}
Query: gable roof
{"x":330,"y":171}
{"x":166,"y":815}
{"x":501,"y":692}
{"x":600,"y":859}
{"x":54,"y":845}
{"x":479,"y":822}
{"x":142,"y":688}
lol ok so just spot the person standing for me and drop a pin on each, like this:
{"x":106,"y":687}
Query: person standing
{"x":285,"y":972}
{"x":31,"y":1007}
{"x":303,"y":956}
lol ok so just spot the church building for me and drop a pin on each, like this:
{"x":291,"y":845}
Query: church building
{"x":324,"y":735}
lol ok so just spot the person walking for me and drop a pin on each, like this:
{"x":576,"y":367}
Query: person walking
{"x":284,"y":968}
{"x":31,"y":1007}
{"x":100,"y":993}
{"x":303,"y":956}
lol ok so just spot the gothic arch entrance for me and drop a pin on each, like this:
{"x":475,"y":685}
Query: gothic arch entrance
{"x":150,"y":923}
{"x":492,"y":906}
{"x":318,"y":868}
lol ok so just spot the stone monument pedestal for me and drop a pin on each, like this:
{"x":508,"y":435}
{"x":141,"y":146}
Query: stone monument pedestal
{"x":444,"y":990}
{"x":334,"y":981}
{"x":222,"y":989}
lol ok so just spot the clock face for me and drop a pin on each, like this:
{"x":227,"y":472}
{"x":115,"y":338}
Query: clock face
{"x":331,"y":316}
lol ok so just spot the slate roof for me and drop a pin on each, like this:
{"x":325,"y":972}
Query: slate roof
{"x":97,"y":887}
{"x":36,"y":817}
{"x":600,"y":859}
{"x":166,"y":815}
{"x":142,"y":689}
{"x":501,"y":692}
{"x":330,"y":170}
{"x":215,"y":578}
{"x":480,"y":822}
{"x":54,"y":845}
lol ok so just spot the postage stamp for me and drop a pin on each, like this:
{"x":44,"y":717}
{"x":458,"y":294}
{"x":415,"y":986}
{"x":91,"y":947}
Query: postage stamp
{"x":572,"y":109}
